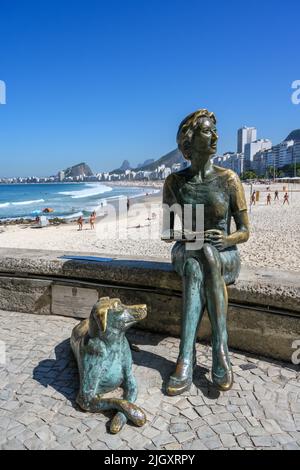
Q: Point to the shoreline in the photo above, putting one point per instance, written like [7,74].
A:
[55,220]
[136,184]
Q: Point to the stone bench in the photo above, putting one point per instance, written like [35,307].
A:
[264,305]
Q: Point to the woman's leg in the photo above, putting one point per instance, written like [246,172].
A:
[193,307]
[217,306]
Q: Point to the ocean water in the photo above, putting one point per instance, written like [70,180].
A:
[67,199]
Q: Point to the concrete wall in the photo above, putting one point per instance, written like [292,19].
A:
[264,312]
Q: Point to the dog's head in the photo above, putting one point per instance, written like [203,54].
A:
[111,315]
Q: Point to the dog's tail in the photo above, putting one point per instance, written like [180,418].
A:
[130,410]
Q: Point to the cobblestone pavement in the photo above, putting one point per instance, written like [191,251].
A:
[39,380]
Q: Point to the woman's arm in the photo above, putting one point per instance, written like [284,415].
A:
[242,229]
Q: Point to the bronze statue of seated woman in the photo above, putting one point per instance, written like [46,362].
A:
[206,270]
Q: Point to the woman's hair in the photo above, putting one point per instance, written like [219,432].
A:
[187,129]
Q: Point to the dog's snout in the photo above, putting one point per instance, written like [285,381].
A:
[139,312]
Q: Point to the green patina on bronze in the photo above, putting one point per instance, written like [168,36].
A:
[104,361]
[206,270]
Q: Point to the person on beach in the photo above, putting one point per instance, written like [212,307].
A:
[205,269]
[253,198]
[286,199]
[128,203]
[92,220]
[276,197]
[269,199]
[80,223]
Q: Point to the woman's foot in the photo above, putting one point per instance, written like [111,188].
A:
[222,375]
[182,378]
[224,382]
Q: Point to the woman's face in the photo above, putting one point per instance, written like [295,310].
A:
[205,137]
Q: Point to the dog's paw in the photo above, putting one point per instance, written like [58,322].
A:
[134,413]
[138,416]
[117,423]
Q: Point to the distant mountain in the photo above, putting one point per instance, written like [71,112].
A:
[294,135]
[150,165]
[175,156]
[81,169]
[125,166]
[146,162]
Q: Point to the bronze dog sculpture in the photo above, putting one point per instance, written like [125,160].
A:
[104,361]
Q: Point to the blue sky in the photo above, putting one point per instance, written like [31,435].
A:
[101,82]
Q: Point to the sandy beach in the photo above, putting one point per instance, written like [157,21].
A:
[274,241]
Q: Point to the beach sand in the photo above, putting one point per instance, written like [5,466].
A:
[274,241]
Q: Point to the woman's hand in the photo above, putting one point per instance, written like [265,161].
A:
[217,239]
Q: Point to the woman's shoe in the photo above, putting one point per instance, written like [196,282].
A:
[223,383]
[222,375]
[182,379]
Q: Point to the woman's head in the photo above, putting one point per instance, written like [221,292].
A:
[198,132]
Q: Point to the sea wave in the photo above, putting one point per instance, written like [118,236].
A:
[137,195]
[91,191]
[5,204]
[145,193]
[129,196]
[27,203]
[74,215]
[119,196]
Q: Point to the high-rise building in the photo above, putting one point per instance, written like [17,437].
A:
[254,147]
[286,153]
[296,152]
[233,161]
[245,135]
[61,175]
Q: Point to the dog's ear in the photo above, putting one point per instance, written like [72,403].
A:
[103,318]
[100,312]
[101,309]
